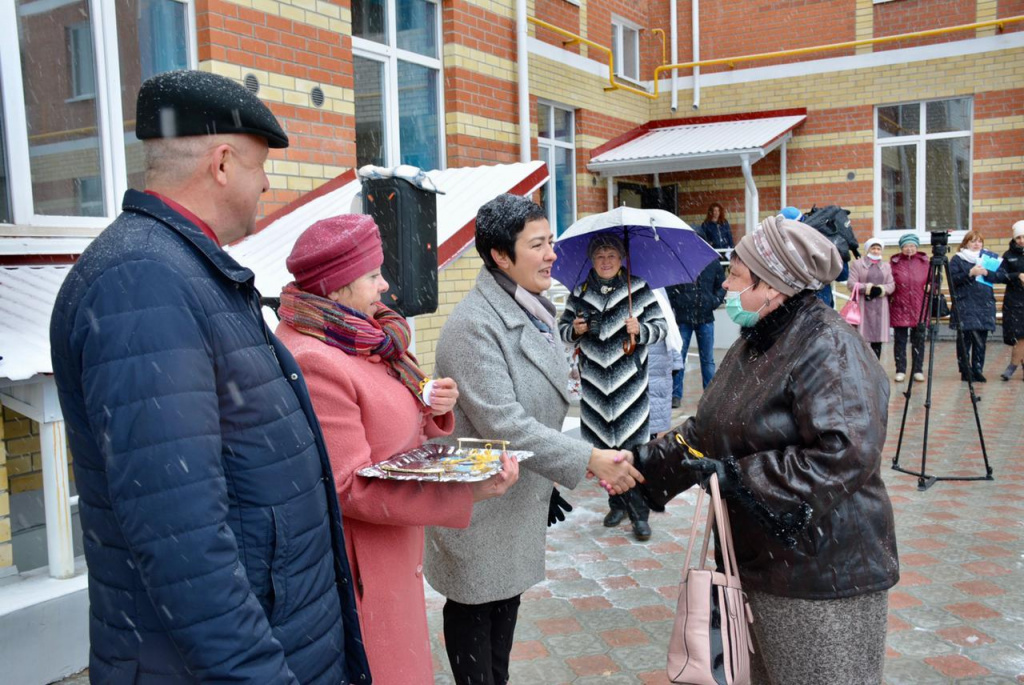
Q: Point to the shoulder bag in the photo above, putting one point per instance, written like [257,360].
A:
[851,311]
[710,642]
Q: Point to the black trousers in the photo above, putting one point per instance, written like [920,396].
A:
[877,349]
[970,351]
[899,349]
[478,639]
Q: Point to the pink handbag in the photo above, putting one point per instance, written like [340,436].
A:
[710,642]
[851,311]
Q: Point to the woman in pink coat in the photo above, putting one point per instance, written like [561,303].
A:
[373,402]
[876,285]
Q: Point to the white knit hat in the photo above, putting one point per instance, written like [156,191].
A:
[1018,229]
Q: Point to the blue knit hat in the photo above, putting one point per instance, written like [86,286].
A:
[909,238]
[792,213]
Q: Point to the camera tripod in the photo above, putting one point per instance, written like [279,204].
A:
[938,266]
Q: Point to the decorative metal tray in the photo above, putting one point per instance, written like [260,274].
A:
[472,460]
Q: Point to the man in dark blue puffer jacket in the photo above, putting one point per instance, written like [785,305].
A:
[211,524]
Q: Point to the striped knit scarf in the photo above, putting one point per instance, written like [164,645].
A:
[386,334]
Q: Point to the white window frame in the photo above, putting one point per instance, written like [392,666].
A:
[619,27]
[77,33]
[390,55]
[920,140]
[110,120]
[545,150]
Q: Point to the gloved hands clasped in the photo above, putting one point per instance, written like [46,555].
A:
[873,292]
[557,507]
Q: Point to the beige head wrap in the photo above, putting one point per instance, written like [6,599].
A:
[790,256]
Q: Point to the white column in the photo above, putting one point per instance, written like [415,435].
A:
[611,193]
[751,196]
[782,172]
[59,545]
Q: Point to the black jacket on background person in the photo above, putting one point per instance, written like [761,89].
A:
[974,303]
[695,303]
[1013,299]
[717,234]
[798,412]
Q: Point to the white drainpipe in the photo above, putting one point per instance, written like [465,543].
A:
[522,57]
[695,10]
[673,21]
[611,193]
[752,210]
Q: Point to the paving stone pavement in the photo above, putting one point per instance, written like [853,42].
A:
[957,616]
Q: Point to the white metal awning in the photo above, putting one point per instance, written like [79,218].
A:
[688,147]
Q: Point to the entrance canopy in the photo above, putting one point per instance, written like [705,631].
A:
[732,140]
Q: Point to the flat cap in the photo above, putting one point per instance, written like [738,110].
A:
[176,104]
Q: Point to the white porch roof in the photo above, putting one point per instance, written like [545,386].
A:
[27,293]
[687,147]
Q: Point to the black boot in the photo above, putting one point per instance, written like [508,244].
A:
[638,512]
[1008,374]
[614,518]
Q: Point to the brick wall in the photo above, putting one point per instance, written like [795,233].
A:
[290,46]
[24,456]
[453,283]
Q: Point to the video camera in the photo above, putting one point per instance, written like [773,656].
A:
[940,243]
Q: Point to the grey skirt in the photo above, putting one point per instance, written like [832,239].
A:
[812,642]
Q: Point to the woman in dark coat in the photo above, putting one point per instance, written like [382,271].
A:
[794,425]
[614,408]
[910,270]
[974,304]
[1013,300]
[715,229]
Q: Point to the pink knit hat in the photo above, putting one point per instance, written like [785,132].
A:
[333,252]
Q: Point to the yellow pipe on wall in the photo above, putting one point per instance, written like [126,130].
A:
[731,61]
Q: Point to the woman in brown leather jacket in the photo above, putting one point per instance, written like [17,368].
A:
[794,424]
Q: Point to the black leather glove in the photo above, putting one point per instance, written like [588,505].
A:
[875,291]
[707,466]
[557,507]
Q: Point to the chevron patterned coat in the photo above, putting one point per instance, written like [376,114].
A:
[614,409]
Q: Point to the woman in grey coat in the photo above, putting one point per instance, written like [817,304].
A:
[500,345]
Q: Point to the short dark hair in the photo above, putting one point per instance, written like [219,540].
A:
[499,223]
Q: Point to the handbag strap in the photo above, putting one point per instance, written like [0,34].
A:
[718,515]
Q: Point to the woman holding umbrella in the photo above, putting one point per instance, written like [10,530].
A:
[612,317]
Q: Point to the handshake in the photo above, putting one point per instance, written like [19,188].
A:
[873,291]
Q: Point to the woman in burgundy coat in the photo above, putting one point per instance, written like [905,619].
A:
[906,306]
[372,402]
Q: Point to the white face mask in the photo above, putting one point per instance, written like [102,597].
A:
[875,257]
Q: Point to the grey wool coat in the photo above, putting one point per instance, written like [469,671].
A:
[512,386]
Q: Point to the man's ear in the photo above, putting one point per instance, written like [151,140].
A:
[219,160]
[500,258]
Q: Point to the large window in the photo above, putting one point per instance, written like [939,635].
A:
[395,45]
[557,147]
[923,166]
[626,49]
[71,70]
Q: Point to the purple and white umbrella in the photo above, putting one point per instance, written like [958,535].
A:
[663,249]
